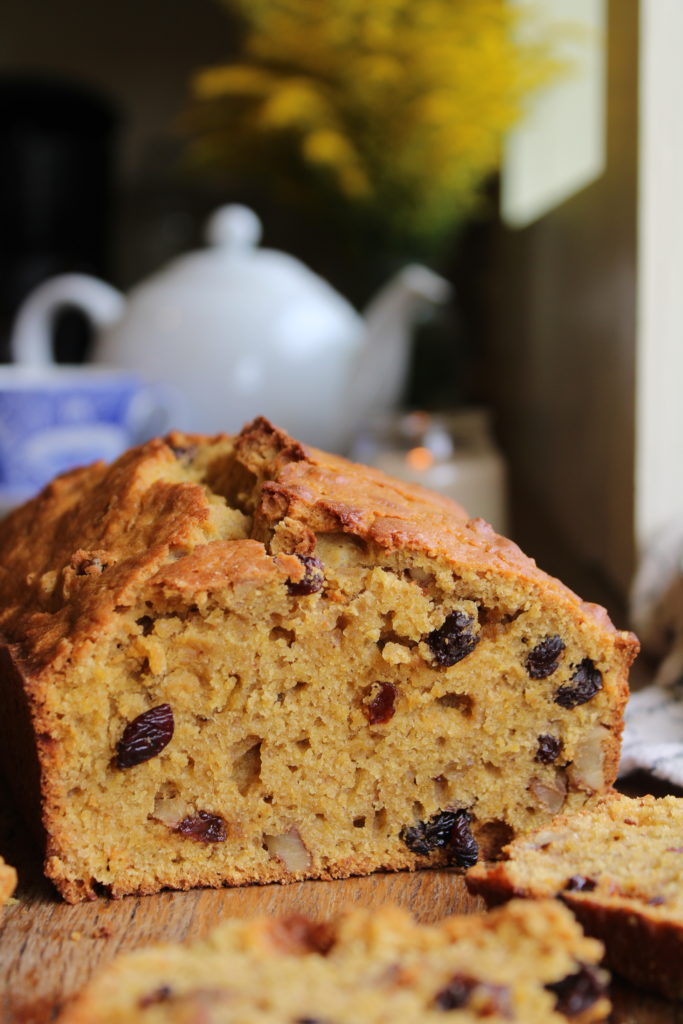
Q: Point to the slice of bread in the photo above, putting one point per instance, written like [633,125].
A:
[527,962]
[619,866]
[240,660]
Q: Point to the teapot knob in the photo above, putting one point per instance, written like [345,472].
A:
[233,227]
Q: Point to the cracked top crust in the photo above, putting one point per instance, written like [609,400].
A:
[194,512]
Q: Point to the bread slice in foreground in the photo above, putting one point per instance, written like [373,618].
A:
[241,660]
[619,866]
[526,962]
[8,881]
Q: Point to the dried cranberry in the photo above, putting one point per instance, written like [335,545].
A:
[204,828]
[145,737]
[491,999]
[577,992]
[452,641]
[445,828]
[312,580]
[544,658]
[381,707]
[577,883]
[586,682]
[549,748]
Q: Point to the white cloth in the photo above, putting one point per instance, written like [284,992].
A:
[653,734]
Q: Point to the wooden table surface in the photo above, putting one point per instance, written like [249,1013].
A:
[48,949]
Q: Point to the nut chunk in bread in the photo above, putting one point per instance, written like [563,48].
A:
[527,962]
[241,660]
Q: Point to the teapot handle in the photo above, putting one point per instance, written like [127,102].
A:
[31,342]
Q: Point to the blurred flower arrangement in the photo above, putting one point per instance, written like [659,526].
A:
[388,114]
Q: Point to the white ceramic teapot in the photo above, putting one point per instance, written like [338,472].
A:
[237,331]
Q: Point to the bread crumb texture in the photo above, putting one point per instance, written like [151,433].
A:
[526,963]
[240,660]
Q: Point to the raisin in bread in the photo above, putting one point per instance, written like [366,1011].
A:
[241,660]
[527,962]
[8,881]
[619,866]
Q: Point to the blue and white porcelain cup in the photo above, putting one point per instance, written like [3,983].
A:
[53,418]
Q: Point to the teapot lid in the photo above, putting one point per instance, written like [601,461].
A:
[233,227]
[234,264]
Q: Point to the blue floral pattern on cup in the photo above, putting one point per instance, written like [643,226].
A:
[54,419]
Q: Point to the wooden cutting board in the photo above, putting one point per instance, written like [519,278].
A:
[48,950]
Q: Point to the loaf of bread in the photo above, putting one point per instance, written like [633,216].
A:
[619,866]
[528,962]
[8,881]
[241,660]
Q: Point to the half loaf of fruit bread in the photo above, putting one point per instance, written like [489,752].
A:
[231,660]
[527,962]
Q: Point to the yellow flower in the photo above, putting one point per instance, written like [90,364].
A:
[394,106]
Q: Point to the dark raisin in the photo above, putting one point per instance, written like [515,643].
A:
[312,580]
[380,708]
[146,624]
[577,883]
[585,683]
[159,995]
[445,828]
[204,828]
[549,748]
[145,737]
[452,641]
[577,992]
[463,847]
[424,837]
[462,990]
[544,658]
[456,993]
[415,838]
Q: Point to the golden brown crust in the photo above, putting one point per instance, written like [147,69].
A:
[647,951]
[130,515]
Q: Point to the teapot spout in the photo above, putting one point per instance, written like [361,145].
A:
[383,362]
